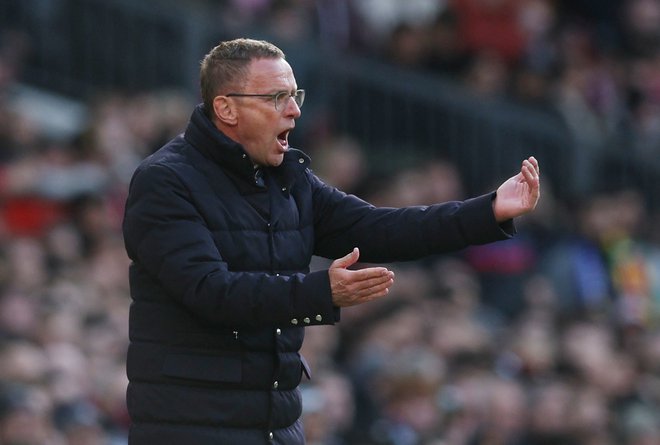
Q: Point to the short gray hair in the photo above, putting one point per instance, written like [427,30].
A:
[226,65]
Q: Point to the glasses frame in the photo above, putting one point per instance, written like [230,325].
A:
[298,96]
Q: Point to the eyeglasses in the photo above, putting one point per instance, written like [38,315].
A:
[280,98]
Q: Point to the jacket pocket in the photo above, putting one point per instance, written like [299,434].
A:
[210,368]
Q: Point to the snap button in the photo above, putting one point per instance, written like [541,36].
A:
[294,321]
[306,320]
[278,331]
[301,161]
[284,189]
[275,384]
[270,435]
[319,318]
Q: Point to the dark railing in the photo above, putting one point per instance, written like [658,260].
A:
[78,47]
[400,114]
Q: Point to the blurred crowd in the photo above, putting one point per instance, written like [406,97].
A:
[552,338]
[593,64]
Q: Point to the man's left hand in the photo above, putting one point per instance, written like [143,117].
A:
[520,193]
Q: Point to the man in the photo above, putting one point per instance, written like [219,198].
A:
[221,224]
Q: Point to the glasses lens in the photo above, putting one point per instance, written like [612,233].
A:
[299,97]
[282,98]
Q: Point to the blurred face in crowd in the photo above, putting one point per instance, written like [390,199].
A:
[255,122]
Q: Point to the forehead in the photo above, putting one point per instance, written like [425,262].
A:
[275,74]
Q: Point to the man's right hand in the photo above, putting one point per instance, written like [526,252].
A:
[352,287]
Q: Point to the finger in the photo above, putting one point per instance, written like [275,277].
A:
[533,169]
[347,260]
[530,173]
[369,272]
[375,292]
[361,281]
[535,163]
[375,282]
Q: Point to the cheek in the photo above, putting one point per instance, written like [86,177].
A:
[262,125]
[256,131]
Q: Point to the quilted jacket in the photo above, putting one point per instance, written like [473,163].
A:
[221,289]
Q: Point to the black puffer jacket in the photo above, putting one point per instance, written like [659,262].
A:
[222,291]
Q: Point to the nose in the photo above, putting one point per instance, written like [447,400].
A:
[292,109]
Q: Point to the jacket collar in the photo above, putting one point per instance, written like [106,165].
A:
[230,155]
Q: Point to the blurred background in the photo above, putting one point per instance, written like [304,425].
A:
[552,338]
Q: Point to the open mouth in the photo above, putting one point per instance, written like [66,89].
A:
[283,139]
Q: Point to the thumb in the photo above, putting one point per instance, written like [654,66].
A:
[346,261]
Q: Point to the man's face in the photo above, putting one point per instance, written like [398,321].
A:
[261,129]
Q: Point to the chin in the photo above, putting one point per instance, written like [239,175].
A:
[275,162]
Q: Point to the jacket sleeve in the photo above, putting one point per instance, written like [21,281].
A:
[400,234]
[167,237]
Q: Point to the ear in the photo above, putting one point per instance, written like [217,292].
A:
[224,110]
